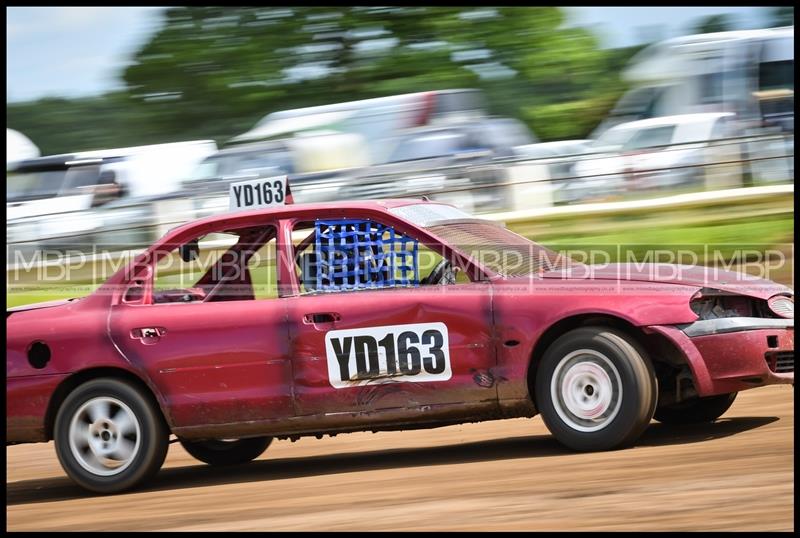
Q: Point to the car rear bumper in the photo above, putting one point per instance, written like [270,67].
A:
[733,354]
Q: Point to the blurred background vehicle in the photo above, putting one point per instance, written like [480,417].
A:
[375,119]
[56,196]
[652,154]
[450,160]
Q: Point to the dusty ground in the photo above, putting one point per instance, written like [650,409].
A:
[736,474]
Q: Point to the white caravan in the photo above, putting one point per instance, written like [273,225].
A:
[747,72]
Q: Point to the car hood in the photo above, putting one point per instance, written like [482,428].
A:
[37,306]
[686,275]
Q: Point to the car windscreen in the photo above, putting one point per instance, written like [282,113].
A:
[428,146]
[23,186]
[233,164]
[498,249]
[79,178]
[649,138]
[612,139]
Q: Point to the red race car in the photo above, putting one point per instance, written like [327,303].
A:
[321,319]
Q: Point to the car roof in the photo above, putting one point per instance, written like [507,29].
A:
[677,119]
[47,162]
[286,210]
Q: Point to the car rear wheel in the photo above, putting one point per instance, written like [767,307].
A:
[596,389]
[227,452]
[697,410]
[110,437]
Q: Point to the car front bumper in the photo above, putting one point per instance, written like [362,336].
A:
[733,354]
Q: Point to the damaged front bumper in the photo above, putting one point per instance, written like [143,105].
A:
[733,354]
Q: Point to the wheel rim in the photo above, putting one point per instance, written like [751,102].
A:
[104,436]
[586,390]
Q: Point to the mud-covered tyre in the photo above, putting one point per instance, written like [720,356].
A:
[109,436]
[697,410]
[596,389]
[223,452]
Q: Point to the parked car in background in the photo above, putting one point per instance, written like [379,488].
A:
[558,156]
[652,154]
[450,161]
[54,197]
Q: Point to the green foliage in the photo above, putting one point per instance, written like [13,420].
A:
[781,16]
[573,119]
[713,23]
[213,72]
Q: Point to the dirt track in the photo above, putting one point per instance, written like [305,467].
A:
[736,474]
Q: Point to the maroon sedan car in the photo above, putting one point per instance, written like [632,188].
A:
[329,318]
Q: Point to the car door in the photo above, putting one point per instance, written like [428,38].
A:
[215,362]
[407,352]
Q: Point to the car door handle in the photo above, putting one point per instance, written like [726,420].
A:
[321,317]
[148,335]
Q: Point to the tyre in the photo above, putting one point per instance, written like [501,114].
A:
[110,437]
[222,452]
[697,410]
[596,389]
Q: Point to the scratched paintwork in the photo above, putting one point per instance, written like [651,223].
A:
[244,367]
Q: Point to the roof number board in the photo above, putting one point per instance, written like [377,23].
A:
[258,193]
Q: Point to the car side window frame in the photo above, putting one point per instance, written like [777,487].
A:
[147,263]
[287,254]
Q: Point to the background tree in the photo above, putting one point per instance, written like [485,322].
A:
[714,23]
[213,72]
[781,16]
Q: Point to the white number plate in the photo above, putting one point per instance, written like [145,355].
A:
[395,353]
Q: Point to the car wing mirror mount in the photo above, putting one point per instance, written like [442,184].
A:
[190,251]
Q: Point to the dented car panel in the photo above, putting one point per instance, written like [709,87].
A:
[524,310]
[305,363]
[466,314]
[735,361]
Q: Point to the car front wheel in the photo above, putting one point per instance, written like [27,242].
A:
[596,389]
[110,437]
[227,452]
[697,410]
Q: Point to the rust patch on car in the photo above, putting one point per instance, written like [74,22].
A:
[486,378]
